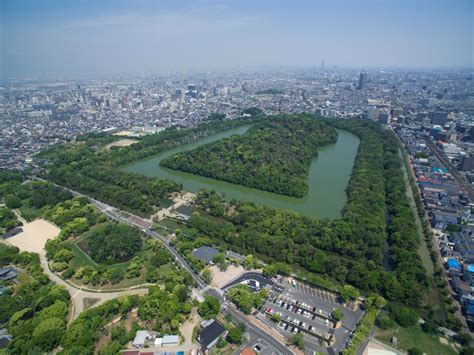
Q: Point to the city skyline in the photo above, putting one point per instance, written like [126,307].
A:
[78,39]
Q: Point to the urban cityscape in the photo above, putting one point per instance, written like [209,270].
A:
[288,208]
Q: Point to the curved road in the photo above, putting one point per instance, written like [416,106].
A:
[144,225]
[78,295]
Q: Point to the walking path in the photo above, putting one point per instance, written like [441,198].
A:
[33,239]
[78,296]
[423,251]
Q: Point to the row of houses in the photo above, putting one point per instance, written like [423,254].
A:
[449,212]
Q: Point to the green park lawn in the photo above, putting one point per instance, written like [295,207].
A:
[82,259]
[28,212]
[414,337]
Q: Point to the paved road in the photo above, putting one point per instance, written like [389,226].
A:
[263,280]
[136,221]
[440,259]
[78,296]
[238,317]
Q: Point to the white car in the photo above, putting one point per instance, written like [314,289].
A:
[257,348]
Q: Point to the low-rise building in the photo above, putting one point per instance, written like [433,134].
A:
[210,333]
[7,274]
[140,339]
[205,253]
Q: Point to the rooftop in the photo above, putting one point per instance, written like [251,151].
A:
[205,253]
[211,333]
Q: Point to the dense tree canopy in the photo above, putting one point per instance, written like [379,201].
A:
[35,310]
[114,243]
[92,170]
[7,220]
[273,155]
[209,307]
[361,248]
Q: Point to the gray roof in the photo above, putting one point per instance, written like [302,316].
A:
[185,210]
[170,339]
[205,253]
[140,337]
[8,274]
[209,334]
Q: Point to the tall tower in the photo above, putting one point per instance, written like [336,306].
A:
[322,64]
[362,81]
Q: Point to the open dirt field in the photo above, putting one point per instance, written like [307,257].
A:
[122,133]
[121,143]
[221,278]
[34,236]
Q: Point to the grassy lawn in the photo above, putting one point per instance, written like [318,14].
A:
[414,337]
[28,212]
[81,259]
[171,224]
[165,203]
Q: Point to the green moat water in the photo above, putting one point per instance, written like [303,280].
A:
[328,177]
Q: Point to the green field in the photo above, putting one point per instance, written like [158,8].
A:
[414,337]
[29,213]
[171,224]
[82,259]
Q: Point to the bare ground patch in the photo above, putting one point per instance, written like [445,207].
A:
[34,236]
[221,278]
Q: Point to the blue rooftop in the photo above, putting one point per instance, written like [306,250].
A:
[453,264]
[470,268]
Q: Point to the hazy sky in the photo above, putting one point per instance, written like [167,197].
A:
[81,37]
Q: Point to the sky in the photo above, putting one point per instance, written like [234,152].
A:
[83,38]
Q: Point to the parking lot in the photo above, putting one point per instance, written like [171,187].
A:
[325,295]
[299,317]
[307,310]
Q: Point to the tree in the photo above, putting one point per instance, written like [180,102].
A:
[348,292]
[235,335]
[249,262]
[12,201]
[277,268]
[221,343]
[415,351]
[114,243]
[206,275]
[243,298]
[404,316]
[48,333]
[384,321]
[116,275]
[209,308]
[111,348]
[297,340]
[430,327]
[219,259]
[337,314]
[159,258]
[276,318]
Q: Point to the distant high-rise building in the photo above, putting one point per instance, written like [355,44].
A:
[373,113]
[468,163]
[322,64]
[384,117]
[362,80]
[439,118]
